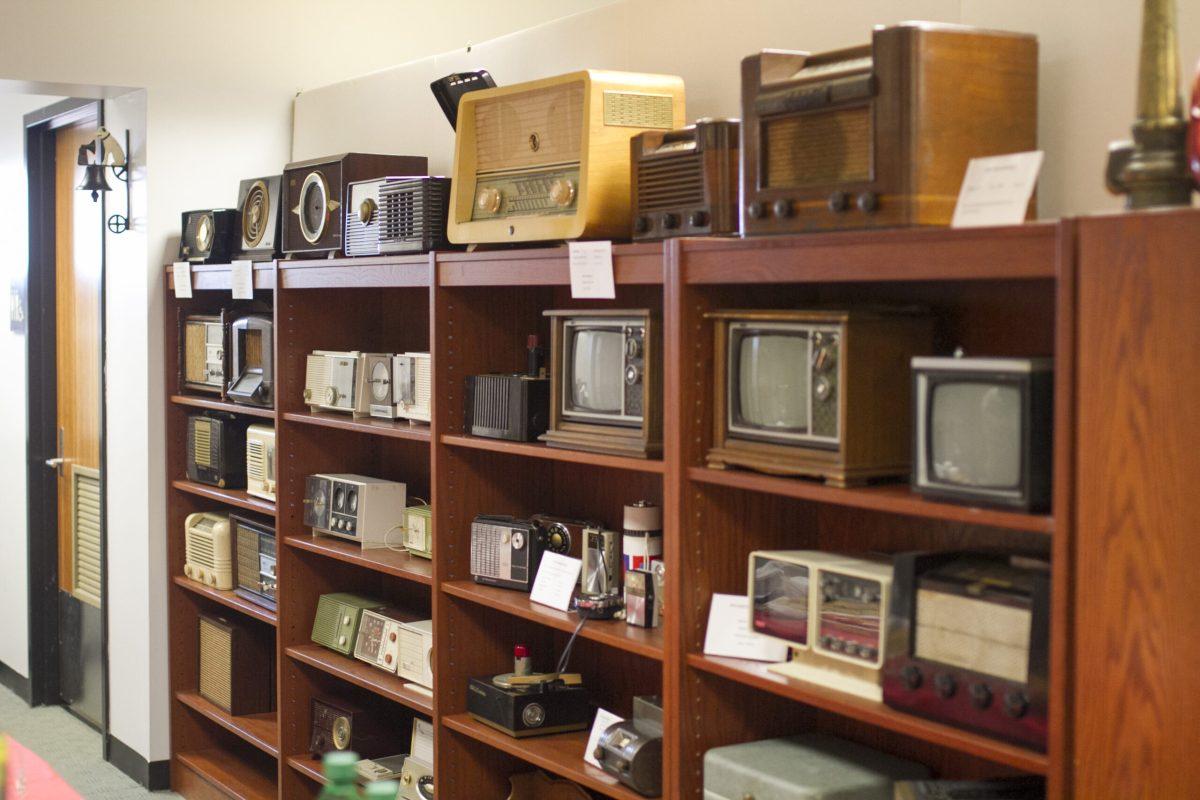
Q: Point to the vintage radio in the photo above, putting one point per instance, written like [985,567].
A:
[412,214]
[525,703]
[254,561]
[880,135]
[378,639]
[341,726]
[387,768]
[808,767]
[259,208]
[236,666]
[632,750]
[354,507]
[984,430]
[685,182]
[252,369]
[605,382]
[216,449]
[336,623]
[362,217]
[418,530]
[202,364]
[548,159]
[207,550]
[600,574]
[450,89]
[831,610]
[208,236]
[413,386]
[416,652]
[513,406]
[507,552]
[416,780]
[641,604]
[378,378]
[260,461]
[315,191]
[562,534]
[815,393]
[975,642]
[337,381]
[1023,787]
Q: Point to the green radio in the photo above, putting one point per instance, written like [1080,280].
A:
[336,623]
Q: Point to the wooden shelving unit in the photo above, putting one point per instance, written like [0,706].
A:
[473,311]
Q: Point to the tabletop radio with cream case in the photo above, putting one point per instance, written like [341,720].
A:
[379,381]
[316,190]
[416,652]
[208,236]
[685,182]
[880,135]
[412,214]
[254,561]
[363,217]
[260,461]
[207,550]
[355,507]
[335,625]
[418,530]
[236,666]
[202,363]
[549,159]
[819,393]
[259,209]
[378,640]
[216,449]
[416,780]
[831,610]
[252,366]
[338,381]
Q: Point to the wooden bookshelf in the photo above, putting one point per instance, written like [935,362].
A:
[473,312]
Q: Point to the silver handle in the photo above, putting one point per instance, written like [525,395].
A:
[55,463]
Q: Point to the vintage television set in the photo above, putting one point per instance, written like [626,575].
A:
[880,135]
[254,560]
[216,449]
[831,610]
[260,202]
[973,632]
[816,393]
[549,159]
[202,363]
[606,382]
[252,366]
[984,430]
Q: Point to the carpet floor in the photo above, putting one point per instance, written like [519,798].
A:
[71,748]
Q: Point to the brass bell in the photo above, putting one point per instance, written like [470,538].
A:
[94,181]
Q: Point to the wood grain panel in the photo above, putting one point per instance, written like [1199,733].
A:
[1137,603]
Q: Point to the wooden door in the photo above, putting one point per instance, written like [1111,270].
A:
[1136,599]
[78,241]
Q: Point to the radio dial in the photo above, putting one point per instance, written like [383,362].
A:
[562,192]
[331,395]
[632,374]
[518,540]
[489,199]
[981,695]
[366,211]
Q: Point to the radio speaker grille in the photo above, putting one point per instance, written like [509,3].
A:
[256,461]
[202,441]
[412,214]
[255,213]
[316,378]
[216,659]
[534,128]
[195,357]
[85,529]
[672,181]
[828,147]
[634,110]
[491,402]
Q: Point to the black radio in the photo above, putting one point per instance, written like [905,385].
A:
[506,551]
[216,449]
[254,561]
[513,406]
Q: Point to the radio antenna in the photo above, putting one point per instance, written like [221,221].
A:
[565,658]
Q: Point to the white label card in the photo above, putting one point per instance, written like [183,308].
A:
[592,270]
[556,580]
[241,277]
[183,279]
[996,190]
[601,723]
[729,632]
[422,741]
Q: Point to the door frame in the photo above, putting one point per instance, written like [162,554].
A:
[42,407]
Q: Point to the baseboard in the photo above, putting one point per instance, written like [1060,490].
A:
[19,684]
[152,775]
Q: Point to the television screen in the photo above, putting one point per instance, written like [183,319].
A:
[772,388]
[975,434]
[781,600]
[597,370]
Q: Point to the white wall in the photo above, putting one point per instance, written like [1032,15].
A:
[14,245]
[1088,71]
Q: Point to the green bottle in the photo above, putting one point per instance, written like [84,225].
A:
[382,790]
[340,773]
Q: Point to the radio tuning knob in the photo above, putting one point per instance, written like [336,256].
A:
[562,192]
[868,202]
[331,395]
[366,211]
[641,223]
[633,347]
[911,674]
[822,388]
[489,199]
[945,684]
[670,220]
[981,695]
[1016,704]
[782,208]
[756,210]
[839,202]
[698,219]
[632,374]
